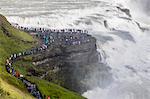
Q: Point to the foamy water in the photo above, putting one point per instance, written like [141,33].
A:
[124,46]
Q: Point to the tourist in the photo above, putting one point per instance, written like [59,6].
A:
[38,95]
[10,58]
[8,68]
[21,76]
[14,56]
[79,42]
[13,72]
[7,61]
[17,74]
[48,97]
[9,64]
[32,90]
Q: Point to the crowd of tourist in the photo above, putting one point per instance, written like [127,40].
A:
[49,37]
[56,36]
[31,87]
[31,29]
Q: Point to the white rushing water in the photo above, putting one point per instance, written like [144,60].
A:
[126,44]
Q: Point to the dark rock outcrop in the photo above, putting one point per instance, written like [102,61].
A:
[126,11]
[66,65]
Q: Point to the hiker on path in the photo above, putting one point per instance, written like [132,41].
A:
[17,74]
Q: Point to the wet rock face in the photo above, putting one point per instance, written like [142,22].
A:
[66,65]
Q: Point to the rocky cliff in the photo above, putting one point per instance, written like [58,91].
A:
[66,65]
[68,57]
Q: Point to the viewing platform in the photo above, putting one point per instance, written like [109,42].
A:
[58,36]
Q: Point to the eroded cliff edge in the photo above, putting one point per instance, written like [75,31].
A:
[66,65]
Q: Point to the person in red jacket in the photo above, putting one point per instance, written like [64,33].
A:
[48,97]
[17,74]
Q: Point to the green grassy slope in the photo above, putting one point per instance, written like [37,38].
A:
[47,88]
[53,90]
[14,41]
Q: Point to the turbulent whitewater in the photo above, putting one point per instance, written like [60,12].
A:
[122,30]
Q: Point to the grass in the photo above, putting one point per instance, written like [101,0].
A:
[9,91]
[22,66]
[46,88]
[14,41]
[53,90]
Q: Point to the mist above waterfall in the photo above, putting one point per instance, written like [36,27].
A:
[142,5]
[140,10]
